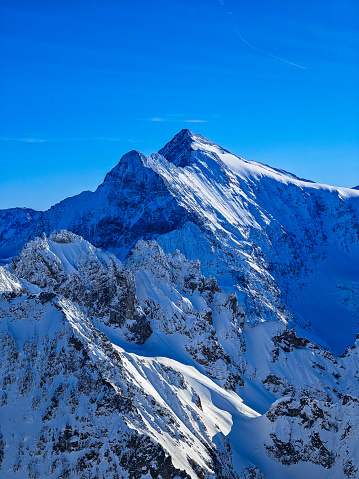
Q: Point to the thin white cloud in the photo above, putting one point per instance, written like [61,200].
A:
[195,121]
[174,118]
[158,119]
[50,140]
[24,140]
[107,139]
[240,36]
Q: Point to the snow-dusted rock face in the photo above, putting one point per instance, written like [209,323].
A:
[133,202]
[282,239]
[73,404]
[66,264]
[213,335]
[8,282]
[13,222]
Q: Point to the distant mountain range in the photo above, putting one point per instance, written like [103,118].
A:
[195,316]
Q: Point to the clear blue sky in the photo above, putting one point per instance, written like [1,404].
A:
[81,83]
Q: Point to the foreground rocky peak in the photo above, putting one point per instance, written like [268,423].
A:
[153,369]
[66,264]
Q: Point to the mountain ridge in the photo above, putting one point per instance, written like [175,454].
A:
[242,206]
[194,317]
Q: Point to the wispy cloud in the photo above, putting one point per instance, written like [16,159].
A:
[174,118]
[24,140]
[51,140]
[253,47]
[195,121]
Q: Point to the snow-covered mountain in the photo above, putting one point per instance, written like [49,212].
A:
[195,316]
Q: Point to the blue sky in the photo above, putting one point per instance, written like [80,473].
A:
[81,83]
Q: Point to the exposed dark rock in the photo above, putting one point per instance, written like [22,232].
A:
[350,469]
[46,296]
[233,381]
[2,447]
[289,453]
[252,472]
[276,385]
[288,340]
[142,456]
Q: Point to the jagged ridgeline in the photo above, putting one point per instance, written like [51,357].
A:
[194,317]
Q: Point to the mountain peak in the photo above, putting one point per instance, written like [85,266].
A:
[130,162]
[183,135]
[181,150]
[178,150]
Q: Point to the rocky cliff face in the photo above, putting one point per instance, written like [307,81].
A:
[13,222]
[132,203]
[214,335]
